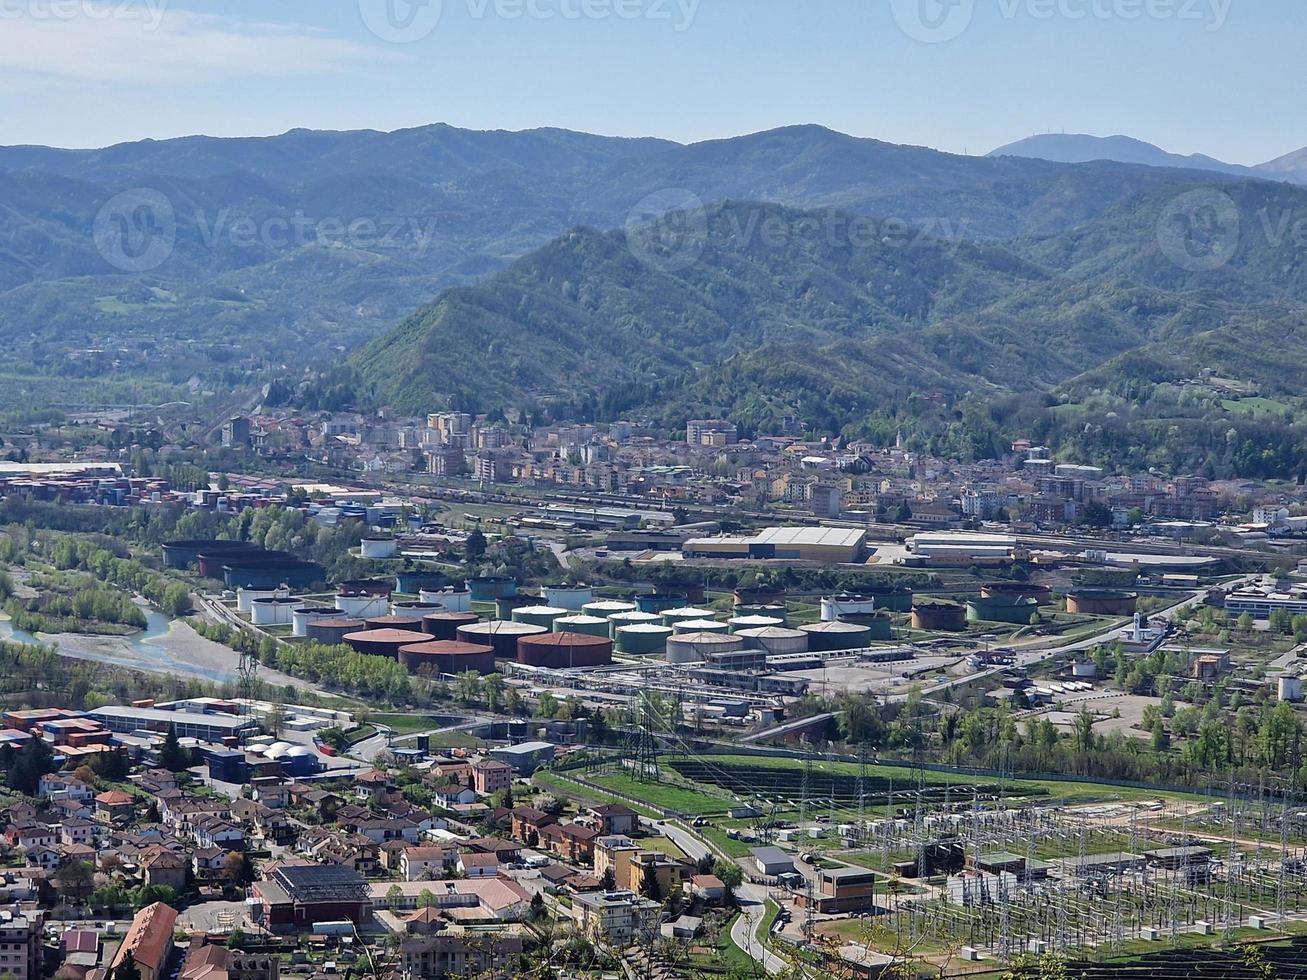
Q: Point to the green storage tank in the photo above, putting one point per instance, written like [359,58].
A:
[642,639]
[544,616]
[588,625]
[673,616]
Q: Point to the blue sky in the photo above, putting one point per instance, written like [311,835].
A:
[1214,76]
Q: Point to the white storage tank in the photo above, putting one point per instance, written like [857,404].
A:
[379,546]
[686,613]
[631,618]
[700,626]
[604,608]
[454,600]
[753,623]
[273,611]
[1290,688]
[775,640]
[689,648]
[245,597]
[301,616]
[835,606]
[362,605]
[570,597]
[1084,669]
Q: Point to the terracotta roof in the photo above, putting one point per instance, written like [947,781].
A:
[114,797]
[475,860]
[149,937]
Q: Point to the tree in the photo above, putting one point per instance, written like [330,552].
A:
[172,756]
[476,545]
[1096,514]
[731,875]
[491,689]
[238,870]
[127,969]
[75,878]
[176,600]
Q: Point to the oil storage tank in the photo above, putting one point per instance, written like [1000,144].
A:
[836,607]
[501,634]
[506,605]
[562,651]
[273,610]
[700,626]
[420,580]
[379,546]
[412,624]
[944,617]
[385,642]
[589,625]
[332,630]
[301,616]
[488,588]
[880,625]
[411,608]
[682,613]
[256,571]
[892,597]
[245,597]
[659,602]
[444,625]
[604,608]
[210,560]
[1016,590]
[738,623]
[359,604]
[770,610]
[570,597]
[1016,610]
[775,640]
[455,600]
[447,657]
[1101,602]
[544,616]
[823,637]
[688,648]
[634,618]
[184,554]
[642,639]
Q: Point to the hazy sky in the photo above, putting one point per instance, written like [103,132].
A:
[1216,76]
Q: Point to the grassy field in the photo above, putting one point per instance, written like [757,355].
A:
[666,795]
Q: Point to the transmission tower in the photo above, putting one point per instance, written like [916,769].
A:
[643,746]
[247,672]
[807,783]
[862,793]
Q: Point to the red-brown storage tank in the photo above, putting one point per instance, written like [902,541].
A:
[385,642]
[448,657]
[501,634]
[332,632]
[411,623]
[444,625]
[562,650]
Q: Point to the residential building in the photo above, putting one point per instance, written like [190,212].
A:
[618,918]
[149,941]
[20,942]
[489,776]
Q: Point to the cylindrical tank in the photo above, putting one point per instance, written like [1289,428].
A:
[562,651]
[700,626]
[372,586]
[332,630]
[836,606]
[771,611]
[419,581]
[759,597]
[946,617]
[1084,670]
[301,616]
[632,618]
[256,572]
[570,597]
[739,623]
[245,598]
[837,636]
[455,600]
[360,605]
[506,605]
[444,625]
[891,597]
[673,616]
[642,639]
[385,642]
[379,546]
[880,625]
[692,593]
[687,648]
[415,608]
[659,602]
[183,554]
[411,624]
[502,634]
[1016,610]
[273,610]
[210,561]
[776,640]
[539,615]
[604,608]
[589,625]
[1102,602]
[488,588]
[447,657]
[1016,590]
